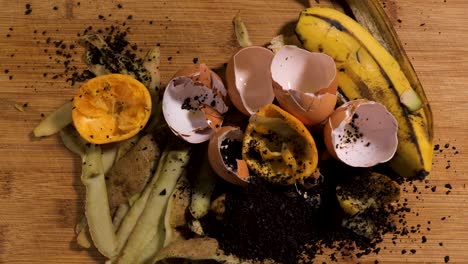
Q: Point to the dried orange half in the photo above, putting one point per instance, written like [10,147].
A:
[111,108]
[278,147]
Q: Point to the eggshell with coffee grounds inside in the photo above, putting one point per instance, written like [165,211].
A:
[305,83]
[193,104]
[361,133]
[248,79]
[225,155]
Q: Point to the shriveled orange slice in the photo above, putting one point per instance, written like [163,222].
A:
[278,147]
[111,108]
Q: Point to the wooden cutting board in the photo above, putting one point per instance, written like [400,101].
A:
[41,196]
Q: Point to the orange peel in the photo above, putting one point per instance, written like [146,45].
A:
[111,108]
[278,147]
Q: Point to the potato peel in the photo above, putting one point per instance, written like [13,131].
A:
[148,223]
[73,142]
[130,220]
[97,205]
[119,215]
[196,249]
[176,209]
[132,172]
[203,188]
[55,121]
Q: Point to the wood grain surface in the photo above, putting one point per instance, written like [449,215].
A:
[41,196]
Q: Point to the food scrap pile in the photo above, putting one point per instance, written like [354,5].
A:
[295,151]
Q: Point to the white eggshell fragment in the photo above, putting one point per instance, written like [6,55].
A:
[229,172]
[248,79]
[361,133]
[183,103]
[305,83]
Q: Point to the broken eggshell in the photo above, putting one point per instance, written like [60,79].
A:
[233,172]
[361,133]
[305,83]
[193,103]
[248,79]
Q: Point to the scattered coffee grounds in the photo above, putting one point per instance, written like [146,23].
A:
[28,9]
[63,52]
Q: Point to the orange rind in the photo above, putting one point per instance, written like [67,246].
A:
[111,108]
[278,147]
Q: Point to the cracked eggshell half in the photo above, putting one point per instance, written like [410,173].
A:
[226,138]
[361,133]
[248,79]
[305,83]
[193,103]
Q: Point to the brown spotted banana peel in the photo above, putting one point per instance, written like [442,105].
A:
[367,70]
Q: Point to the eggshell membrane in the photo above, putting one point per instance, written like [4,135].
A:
[215,157]
[377,141]
[190,125]
[248,79]
[305,83]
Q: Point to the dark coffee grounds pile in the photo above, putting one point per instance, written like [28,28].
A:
[263,223]
[290,225]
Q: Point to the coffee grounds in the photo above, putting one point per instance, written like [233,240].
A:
[291,225]
[116,39]
[263,223]
[231,151]
[62,52]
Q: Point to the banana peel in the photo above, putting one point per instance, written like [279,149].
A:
[371,15]
[367,70]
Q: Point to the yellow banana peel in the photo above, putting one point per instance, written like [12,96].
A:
[367,70]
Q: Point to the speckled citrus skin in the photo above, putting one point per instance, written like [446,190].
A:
[111,108]
[278,147]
